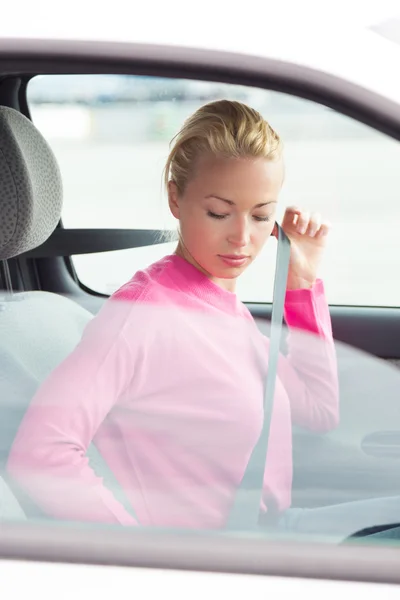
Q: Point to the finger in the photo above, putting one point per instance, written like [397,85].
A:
[274,231]
[302,222]
[323,230]
[314,224]
[291,216]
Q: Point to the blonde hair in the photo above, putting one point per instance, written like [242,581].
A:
[223,128]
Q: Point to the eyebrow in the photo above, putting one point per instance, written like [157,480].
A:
[231,203]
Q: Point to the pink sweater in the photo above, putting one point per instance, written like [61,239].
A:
[168,382]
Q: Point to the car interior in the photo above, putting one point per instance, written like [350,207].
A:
[45,304]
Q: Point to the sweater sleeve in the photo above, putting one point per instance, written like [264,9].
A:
[48,458]
[309,372]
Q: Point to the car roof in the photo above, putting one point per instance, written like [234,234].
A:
[343,49]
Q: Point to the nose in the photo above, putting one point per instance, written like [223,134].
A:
[239,234]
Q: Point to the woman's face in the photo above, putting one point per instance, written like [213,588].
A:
[226,214]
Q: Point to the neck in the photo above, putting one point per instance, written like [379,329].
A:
[226,284]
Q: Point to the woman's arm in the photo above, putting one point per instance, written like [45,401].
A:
[309,372]
[48,458]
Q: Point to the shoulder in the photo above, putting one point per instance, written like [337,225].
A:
[146,285]
[134,305]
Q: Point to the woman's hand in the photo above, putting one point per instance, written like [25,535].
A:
[308,235]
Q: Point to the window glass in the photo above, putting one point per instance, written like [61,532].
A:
[165,405]
[111,136]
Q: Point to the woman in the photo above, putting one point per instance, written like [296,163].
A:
[168,377]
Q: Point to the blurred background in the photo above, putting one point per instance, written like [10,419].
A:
[111,136]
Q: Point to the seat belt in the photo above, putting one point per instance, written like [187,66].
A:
[245,511]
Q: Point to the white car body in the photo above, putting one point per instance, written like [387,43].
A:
[65,581]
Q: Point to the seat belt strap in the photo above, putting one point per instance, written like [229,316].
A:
[244,514]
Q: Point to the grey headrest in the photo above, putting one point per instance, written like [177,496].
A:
[30,185]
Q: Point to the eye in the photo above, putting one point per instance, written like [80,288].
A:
[266,218]
[215,215]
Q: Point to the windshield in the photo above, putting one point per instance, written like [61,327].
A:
[389,29]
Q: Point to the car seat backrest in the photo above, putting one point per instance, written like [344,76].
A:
[37,329]
[30,208]
[10,508]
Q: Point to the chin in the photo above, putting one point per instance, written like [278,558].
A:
[228,272]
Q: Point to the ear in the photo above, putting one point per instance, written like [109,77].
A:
[173,199]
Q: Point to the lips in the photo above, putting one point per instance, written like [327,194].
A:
[234,260]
